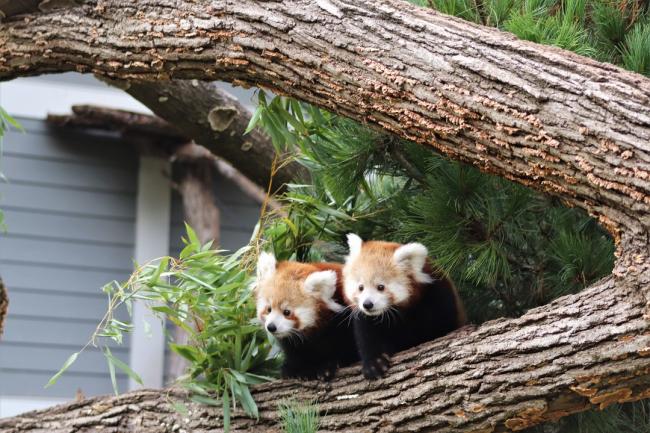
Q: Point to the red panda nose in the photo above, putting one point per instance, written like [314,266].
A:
[367,304]
[271,327]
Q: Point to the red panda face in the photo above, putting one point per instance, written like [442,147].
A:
[291,296]
[380,275]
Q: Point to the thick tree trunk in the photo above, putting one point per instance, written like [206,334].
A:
[541,116]
[476,93]
[4,306]
[579,352]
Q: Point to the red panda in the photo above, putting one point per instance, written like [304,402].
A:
[399,298]
[301,304]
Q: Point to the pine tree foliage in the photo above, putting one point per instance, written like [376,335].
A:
[614,31]
[507,247]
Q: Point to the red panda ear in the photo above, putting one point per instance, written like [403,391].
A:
[265,266]
[412,257]
[354,243]
[323,285]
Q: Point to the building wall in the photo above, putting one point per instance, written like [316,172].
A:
[70,208]
[69,205]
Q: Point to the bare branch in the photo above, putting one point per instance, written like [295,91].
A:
[4,306]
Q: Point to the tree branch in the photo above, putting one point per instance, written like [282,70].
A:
[4,306]
[161,138]
[538,115]
[582,351]
[475,93]
[217,121]
[199,110]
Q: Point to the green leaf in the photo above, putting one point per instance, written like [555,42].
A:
[261,98]
[196,280]
[196,389]
[65,366]
[125,368]
[226,411]
[188,352]
[13,122]
[237,352]
[193,238]
[254,379]
[159,270]
[247,402]
[296,109]
[181,408]
[254,119]
[111,370]
[205,400]
[291,225]
[238,376]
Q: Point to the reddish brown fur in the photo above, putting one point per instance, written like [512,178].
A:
[375,255]
[287,288]
[379,255]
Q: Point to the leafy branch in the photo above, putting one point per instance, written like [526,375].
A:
[208,295]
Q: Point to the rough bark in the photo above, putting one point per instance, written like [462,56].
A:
[193,107]
[540,116]
[216,121]
[4,306]
[123,121]
[473,92]
[579,352]
[195,183]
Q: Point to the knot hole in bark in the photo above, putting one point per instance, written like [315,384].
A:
[220,118]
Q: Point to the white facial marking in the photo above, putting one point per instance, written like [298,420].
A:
[306,317]
[412,258]
[350,287]
[399,290]
[380,302]
[283,325]
[261,305]
[266,264]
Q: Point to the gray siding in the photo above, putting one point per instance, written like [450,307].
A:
[70,214]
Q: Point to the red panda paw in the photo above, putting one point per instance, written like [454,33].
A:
[376,368]
[327,374]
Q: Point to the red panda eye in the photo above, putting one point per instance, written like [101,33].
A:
[286,313]
[268,310]
[361,287]
[381,287]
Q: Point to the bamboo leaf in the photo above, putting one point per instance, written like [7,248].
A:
[65,366]
[125,368]
[226,411]
[111,370]
[254,119]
